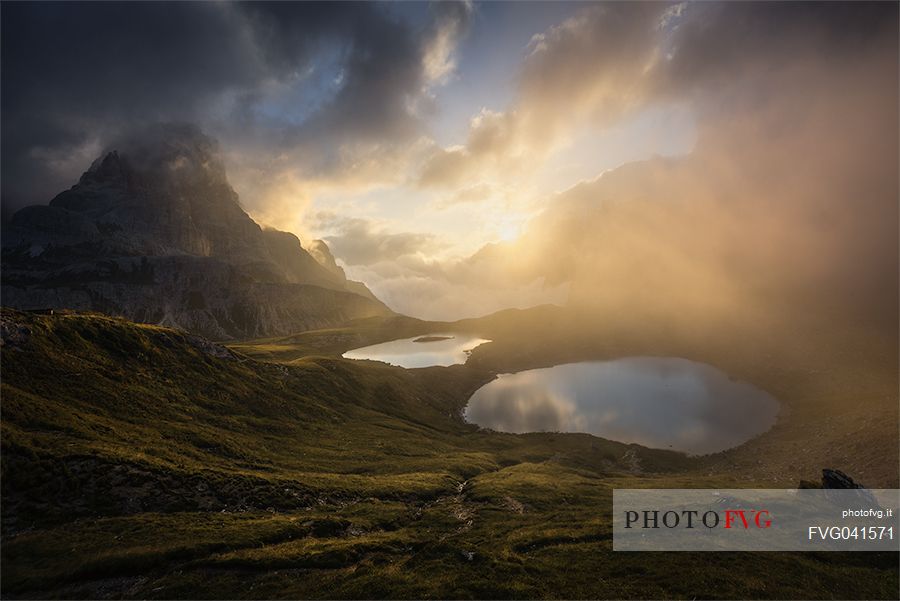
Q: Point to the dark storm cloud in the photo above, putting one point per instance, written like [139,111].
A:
[73,71]
[379,62]
[75,74]
[720,41]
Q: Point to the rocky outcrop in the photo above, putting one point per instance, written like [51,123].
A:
[12,333]
[838,479]
[154,232]
[321,253]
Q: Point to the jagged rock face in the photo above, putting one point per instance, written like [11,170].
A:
[153,231]
[321,253]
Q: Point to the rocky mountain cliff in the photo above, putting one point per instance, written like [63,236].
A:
[154,232]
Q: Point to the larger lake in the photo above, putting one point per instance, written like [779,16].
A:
[658,402]
[420,351]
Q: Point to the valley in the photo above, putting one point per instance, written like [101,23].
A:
[175,467]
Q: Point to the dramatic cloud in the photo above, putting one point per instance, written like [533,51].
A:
[594,66]
[450,24]
[491,145]
[329,117]
[472,194]
[359,242]
[786,208]
[313,88]
[398,269]
[612,60]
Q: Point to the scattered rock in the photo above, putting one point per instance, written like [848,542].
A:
[211,348]
[513,505]
[12,333]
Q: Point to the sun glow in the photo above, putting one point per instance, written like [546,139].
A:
[510,230]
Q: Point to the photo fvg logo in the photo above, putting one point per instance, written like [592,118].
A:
[755,519]
[731,518]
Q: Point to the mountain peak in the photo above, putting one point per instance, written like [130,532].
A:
[163,153]
[107,167]
[154,231]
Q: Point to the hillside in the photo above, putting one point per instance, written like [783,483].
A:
[169,466]
[154,232]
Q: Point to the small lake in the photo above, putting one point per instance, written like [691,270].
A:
[658,402]
[420,351]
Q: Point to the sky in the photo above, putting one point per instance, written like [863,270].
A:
[435,146]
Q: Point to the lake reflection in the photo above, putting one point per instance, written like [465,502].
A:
[665,403]
[420,351]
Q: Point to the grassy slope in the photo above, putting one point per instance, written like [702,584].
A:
[136,464]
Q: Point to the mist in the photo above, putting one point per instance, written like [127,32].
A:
[784,212]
